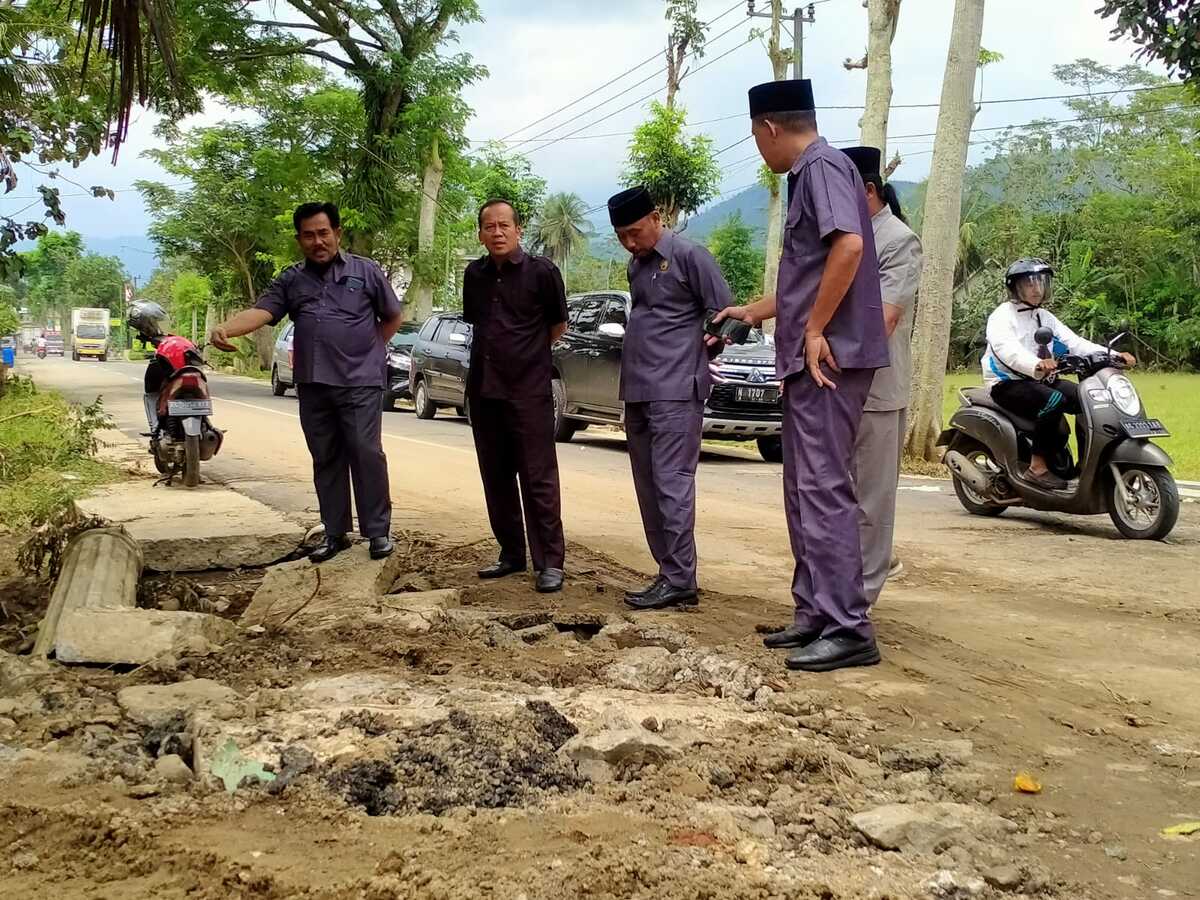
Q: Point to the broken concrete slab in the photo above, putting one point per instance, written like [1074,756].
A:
[920,827]
[619,746]
[216,529]
[156,704]
[100,570]
[303,592]
[133,636]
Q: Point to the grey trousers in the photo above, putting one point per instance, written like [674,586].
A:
[876,477]
[664,451]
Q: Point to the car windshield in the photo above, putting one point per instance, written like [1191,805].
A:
[92,332]
[403,340]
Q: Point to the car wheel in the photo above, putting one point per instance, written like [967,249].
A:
[424,406]
[278,388]
[771,448]
[564,428]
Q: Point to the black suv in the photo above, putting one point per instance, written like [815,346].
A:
[587,371]
[440,357]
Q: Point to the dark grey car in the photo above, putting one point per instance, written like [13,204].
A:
[744,406]
[440,358]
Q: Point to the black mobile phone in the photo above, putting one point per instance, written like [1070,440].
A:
[733,330]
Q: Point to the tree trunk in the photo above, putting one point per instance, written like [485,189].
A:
[264,338]
[418,300]
[943,210]
[774,242]
[779,63]
[882,17]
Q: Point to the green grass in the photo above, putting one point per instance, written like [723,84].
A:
[46,448]
[1174,398]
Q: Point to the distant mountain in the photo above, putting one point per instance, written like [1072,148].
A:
[752,204]
[137,253]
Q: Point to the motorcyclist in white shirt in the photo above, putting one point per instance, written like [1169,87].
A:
[1015,374]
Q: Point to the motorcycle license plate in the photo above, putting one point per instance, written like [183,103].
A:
[1146,428]
[190,408]
[756,394]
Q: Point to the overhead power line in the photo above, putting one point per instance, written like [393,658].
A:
[609,83]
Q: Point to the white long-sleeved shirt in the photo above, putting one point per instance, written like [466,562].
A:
[1012,351]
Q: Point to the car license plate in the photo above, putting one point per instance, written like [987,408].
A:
[190,408]
[1146,428]
[756,394]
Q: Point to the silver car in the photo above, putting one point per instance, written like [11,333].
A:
[282,375]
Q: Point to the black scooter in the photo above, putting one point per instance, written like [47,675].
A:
[1120,471]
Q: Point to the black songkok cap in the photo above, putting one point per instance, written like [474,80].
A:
[628,206]
[781,96]
[867,159]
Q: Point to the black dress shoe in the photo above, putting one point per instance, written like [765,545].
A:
[633,595]
[664,595]
[827,654]
[381,547]
[500,568]
[549,581]
[790,637]
[333,545]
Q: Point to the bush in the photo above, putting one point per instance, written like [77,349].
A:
[46,449]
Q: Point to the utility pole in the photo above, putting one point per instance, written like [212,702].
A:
[801,16]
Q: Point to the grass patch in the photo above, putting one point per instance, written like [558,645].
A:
[46,453]
[1174,398]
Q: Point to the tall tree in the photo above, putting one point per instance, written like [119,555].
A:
[940,235]
[681,173]
[95,281]
[732,246]
[1168,30]
[561,228]
[779,58]
[685,38]
[882,18]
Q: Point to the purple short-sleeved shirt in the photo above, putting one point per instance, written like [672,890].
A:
[663,356]
[826,195]
[337,314]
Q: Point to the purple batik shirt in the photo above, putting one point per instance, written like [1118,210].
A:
[663,356]
[337,314]
[826,196]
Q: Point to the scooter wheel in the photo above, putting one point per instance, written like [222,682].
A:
[971,501]
[1153,507]
[191,460]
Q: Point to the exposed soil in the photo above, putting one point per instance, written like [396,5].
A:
[534,747]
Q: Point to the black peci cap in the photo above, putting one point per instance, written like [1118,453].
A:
[781,96]
[628,206]
[866,159]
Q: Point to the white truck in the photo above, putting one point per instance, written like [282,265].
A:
[89,333]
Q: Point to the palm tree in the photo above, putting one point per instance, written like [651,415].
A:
[562,227]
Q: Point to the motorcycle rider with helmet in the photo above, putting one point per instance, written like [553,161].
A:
[1017,376]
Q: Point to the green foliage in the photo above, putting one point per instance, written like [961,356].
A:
[10,322]
[1168,30]
[191,294]
[561,229]
[681,173]
[94,281]
[502,176]
[1110,201]
[732,245]
[46,448]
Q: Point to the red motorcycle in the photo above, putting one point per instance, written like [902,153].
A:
[177,401]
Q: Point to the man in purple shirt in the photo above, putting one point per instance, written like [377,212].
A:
[665,382]
[345,313]
[829,340]
[516,305]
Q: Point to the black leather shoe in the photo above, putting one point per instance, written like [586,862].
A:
[500,568]
[633,595]
[1047,481]
[333,545]
[790,637]
[664,595]
[381,547]
[827,654]
[549,581]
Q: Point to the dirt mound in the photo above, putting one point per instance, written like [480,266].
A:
[467,760]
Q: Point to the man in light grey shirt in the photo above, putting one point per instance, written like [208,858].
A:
[880,438]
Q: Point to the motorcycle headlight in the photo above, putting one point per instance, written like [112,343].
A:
[1124,395]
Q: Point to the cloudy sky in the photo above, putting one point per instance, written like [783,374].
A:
[543,56]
